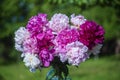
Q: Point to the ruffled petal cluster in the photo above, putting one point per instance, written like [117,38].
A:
[76,53]
[91,34]
[64,37]
[20,35]
[31,61]
[58,22]
[37,23]
[46,57]
[30,46]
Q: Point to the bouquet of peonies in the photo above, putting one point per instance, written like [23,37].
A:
[58,43]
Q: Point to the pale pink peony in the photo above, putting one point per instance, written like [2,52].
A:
[30,45]
[76,52]
[58,22]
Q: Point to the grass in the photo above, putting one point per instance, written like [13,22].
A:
[107,68]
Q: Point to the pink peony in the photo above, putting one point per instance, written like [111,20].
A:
[64,37]
[30,45]
[40,35]
[46,57]
[36,23]
[91,34]
[45,39]
[67,36]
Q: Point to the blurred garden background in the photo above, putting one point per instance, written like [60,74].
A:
[15,13]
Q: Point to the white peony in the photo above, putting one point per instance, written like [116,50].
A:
[20,35]
[31,61]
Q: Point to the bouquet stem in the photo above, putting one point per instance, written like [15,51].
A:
[59,71]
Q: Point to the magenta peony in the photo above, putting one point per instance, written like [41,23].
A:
[37,23]
[46,57]
[91,34]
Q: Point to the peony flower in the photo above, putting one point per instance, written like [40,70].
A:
[31,61]
[41,40]
[45,39]
[36,23]
[46,57]
[76,53]
[77,20]
[31,45]
[41,36]
[58,22]
[91,34]
[20,35]
[64,37]
[67,36]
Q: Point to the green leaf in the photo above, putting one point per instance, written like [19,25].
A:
[50,74]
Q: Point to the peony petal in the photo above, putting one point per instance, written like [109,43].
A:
[46,63]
